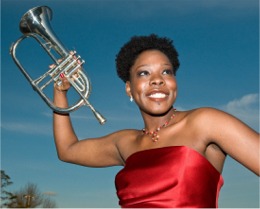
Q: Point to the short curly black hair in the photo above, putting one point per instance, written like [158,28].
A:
[129,52]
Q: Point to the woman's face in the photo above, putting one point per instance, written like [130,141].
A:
[152,82]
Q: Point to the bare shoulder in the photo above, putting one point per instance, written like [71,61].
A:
[214,121]
[202,123]
[125,141]
[215,126]
[206,115]
[204,111]
[231,135]
[125,137]
[125,133]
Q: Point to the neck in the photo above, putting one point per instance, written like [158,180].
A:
[152,121]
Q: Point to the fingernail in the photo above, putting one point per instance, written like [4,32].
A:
[62,75]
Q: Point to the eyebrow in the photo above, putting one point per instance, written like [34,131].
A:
[145,65]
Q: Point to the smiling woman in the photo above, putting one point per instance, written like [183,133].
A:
[217,42]
[183,152]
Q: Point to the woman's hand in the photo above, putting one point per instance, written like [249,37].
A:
[62,84]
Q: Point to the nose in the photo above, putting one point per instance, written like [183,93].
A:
[157,81]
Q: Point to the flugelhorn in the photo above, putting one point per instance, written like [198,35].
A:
[36,24]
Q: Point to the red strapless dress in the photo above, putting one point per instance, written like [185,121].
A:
[168,177]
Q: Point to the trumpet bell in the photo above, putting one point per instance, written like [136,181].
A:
[37,21]
[31,20]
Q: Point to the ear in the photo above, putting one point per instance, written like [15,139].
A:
[128,88]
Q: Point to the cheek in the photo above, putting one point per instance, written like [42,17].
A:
[172,84]
[138,89]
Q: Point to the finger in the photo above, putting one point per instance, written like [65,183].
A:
[63,79]
[52,66]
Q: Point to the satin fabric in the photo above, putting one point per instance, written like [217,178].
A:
[168,177]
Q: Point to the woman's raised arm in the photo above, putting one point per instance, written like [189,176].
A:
[98,152]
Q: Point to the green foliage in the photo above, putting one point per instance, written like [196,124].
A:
[7,198]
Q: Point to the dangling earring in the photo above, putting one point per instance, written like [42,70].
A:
[131,99]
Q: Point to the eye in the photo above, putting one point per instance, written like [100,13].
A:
[143,73]
[167,72]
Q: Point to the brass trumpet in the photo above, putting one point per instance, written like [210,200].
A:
[36,24]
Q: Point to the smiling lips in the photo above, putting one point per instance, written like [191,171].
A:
[157,95]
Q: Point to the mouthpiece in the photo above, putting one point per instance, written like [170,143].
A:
[100,118]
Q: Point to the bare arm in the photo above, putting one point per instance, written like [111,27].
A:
[233,136]
[98,152]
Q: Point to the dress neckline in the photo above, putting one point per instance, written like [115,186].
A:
[172,147]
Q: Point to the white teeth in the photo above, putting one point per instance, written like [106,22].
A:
[157,95]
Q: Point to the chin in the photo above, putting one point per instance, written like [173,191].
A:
[158,111]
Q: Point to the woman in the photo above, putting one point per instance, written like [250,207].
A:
[177,159]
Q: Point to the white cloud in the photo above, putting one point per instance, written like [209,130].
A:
[244,102]
[246,109]
[27,128]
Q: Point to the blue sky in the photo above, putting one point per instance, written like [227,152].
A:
[218,43]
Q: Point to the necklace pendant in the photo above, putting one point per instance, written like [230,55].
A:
[155,138]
